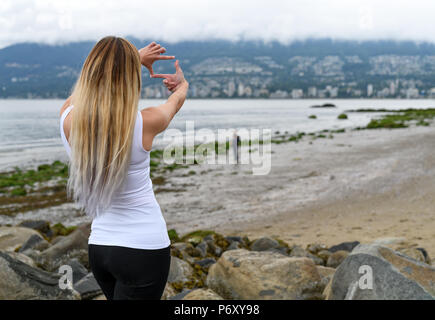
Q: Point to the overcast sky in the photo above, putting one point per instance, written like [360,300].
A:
[54,21]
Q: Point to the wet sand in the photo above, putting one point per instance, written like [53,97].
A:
[360,185]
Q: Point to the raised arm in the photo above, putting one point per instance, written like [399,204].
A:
[157,119]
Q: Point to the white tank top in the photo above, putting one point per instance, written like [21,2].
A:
[134,219]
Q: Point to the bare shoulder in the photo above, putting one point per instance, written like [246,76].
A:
[65,105]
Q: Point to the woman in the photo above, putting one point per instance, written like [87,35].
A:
[108,141]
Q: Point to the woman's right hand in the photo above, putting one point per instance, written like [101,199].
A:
[172,81]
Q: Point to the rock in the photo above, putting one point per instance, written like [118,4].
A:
[336,258]
[19,281]
[426,255]
[264,243]
[326,275]
[263,275]
[88,287]
[374,272]
[324,255]
[79,271]
[218,251]
[100,297]
[202,247]
[346,246]
[35,242]
[234,245]
[318,261]
[208,238]
[77,240]
[202,294]
[179,271]
[192,251]
[168,292]
[231,239]
[22,257]
[182,246]
[413,253]
[181,295]
[205,263]
[39,225]
[12,238]
[315,248]
[298,251]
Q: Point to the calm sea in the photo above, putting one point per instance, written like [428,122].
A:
[29,129]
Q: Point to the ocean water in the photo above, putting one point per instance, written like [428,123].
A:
[29,129]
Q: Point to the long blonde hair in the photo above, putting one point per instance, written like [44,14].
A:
[105,99]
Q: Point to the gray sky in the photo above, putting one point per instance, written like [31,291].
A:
[54,21]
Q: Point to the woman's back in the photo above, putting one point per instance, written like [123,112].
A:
[134,218]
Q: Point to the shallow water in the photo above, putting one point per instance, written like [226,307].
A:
[29,129]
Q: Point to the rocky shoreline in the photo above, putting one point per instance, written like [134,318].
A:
[206,265]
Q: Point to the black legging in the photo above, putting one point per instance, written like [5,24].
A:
[130,274]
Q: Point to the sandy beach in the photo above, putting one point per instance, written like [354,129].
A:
[360,185]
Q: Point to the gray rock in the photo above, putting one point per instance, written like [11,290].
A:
[298,251]
[202,247]
[88,287]
[264,244]
[230,239]
[39,225]
[19,281]
[234,245]
[180,295]
[205,263]
[79,271]
[179,271]
[394,276]
[318,261]
[346,246]
[35,242]
[77,240]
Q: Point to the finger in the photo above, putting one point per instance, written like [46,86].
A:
[159,50]
[152,44]
[160,57]
[151,71]
[177,66]
[161,76]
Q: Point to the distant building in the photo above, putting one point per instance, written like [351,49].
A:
[312,92]
[431,93]
[412,93]
[241,90]
[297,94]
[279,94]
[369,90]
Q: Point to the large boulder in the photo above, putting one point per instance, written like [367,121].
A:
[12,238]
[375,272]
[344,246]
[77,241]
[19,281]
[179,270]
[88,287]
[264,244]
[264,275]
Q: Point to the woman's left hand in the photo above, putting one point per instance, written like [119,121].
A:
[151,53]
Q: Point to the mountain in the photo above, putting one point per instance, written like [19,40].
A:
[222,69]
